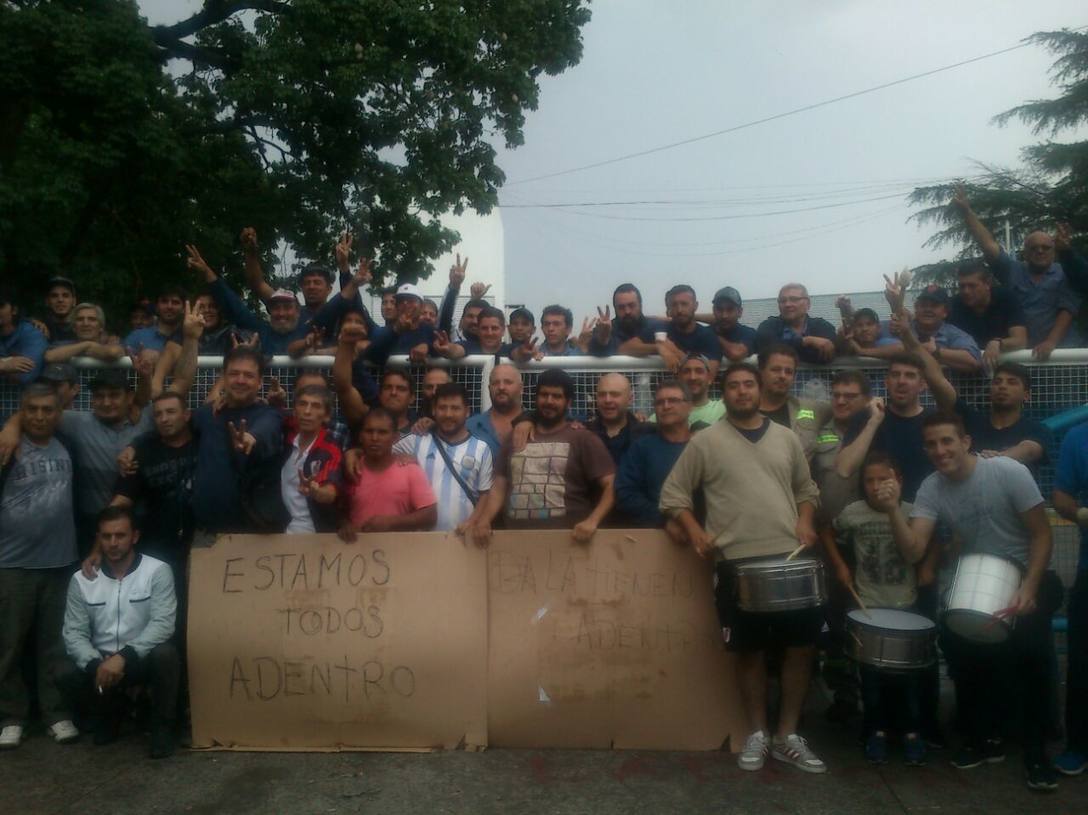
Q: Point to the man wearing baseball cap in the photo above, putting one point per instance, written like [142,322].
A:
[406,335]
[60,303]
[952,347]
[64,378]
[283,326]
[738,341]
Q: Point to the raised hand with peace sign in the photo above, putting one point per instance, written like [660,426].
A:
[343,252]
[192,323]
[241,440]
[457,272]
[602,331]
[196,263]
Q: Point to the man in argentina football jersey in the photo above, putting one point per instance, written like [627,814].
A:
[470,456]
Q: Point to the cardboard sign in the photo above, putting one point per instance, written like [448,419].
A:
[415,640]
[615,644]
[302,642]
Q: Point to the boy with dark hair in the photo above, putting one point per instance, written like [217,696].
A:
[885,579]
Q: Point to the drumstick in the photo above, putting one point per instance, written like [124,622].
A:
[861,603]
[794,553]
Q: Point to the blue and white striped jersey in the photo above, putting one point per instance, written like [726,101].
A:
[472,458]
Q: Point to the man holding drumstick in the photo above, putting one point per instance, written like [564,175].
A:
[995,508]
[761,501]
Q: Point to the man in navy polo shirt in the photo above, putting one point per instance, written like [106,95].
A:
[630,332]
[813,338]
[685,335]
[737,341]
[992,316]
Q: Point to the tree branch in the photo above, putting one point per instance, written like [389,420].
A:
[214,11]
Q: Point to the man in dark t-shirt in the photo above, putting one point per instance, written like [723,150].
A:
[161,483]
[991,315]
[561,479]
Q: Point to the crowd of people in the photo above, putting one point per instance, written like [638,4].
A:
[98,509]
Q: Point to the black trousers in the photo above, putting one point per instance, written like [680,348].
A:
[159,671]
[1076,701]
[982,674]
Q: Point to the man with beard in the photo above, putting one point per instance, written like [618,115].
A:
[991,315]
[1038,282]
[615,425]
[812,338]
[738,341]
[169,306]
[457,464]
[496,425]
[552,481]
[760,502]
[238,445]
[283,326]
[650,459]
[685,335]
[630,333]
[805,417]
[694,373]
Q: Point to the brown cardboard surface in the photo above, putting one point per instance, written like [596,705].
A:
[302,642]
[615,644]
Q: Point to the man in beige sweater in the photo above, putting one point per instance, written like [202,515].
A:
[761,501]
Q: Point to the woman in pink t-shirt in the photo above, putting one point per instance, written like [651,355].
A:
[390,494]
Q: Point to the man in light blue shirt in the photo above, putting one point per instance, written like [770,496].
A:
[457,464]
[495,425]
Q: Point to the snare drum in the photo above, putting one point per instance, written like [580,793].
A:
[890,639]
[983,586]
[778,585]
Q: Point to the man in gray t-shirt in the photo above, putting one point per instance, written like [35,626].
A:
[95,439]
[37,553]
[994,507]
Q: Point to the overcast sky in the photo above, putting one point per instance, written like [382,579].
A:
[656,72]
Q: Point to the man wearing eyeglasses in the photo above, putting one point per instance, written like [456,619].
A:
[812,337]
[1038,282]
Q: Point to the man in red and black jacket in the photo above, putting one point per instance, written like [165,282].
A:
[310,478]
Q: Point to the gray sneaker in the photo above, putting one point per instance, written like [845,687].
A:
[795,750]
[754,753]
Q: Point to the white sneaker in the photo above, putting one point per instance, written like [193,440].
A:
[754,753]
[11,737]
[795,750]
[63,732]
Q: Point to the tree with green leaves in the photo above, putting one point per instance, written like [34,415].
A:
[125,141]
[1052,186]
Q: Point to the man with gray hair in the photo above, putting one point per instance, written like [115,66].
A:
[812,337]
[37,553]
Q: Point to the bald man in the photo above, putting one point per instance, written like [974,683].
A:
[495,425]
[614,423]
[1038,282]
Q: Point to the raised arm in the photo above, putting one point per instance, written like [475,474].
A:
[944,393]
[254,273]
[851,455]
[352,405]
[987,245]
[192,328]
[449,299]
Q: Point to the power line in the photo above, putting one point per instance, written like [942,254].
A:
[774,117]
[733,217]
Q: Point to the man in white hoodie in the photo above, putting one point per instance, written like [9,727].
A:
[117,629]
